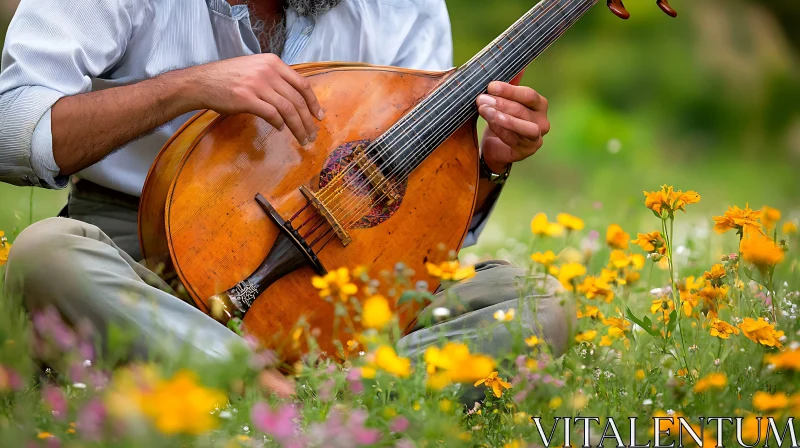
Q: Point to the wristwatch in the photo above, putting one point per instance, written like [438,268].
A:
[491,176]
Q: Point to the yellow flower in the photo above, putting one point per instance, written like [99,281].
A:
[789,228]
[555,403]
[504,316]
[617,326]
[44,435]
[769,217]
[714,380]
[514,444]
[533,341]
[753,430]
[617,238]
[722,329]
[688,302]
[764,401]
[606,341]
[651,242]
[788,360]
[668,200]
[445,405]
[663,307]
[586,336]
[453,363]
[567,273]
[376,313]
[590,311]
[745,221]
[450,270]
[335,284]
[495,383]
[640,374]
[715,275]
[545,259]
[540,226]
[5,248]
[761,332]
[570,222]
[761,251]
[593,287]
[181,405]
[386,359]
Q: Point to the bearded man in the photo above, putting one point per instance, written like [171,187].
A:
[92,90]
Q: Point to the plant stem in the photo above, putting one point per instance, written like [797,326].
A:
[675,295]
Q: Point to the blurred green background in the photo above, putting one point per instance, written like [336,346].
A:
[707,101]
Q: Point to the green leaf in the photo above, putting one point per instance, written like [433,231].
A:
[647,325]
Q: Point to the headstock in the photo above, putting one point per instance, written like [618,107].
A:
[619,10]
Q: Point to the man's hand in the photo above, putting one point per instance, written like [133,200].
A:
[517,118]
[261,85]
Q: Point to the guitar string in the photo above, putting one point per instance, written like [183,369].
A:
[395,129]
[571,16]
[468,107]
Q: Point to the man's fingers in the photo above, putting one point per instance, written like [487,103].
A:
[289,114]
[268,113]
[505,106]
[523,95]
[303,86]
[524,129]
[287,91]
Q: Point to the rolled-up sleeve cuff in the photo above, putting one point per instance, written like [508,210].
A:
[42,160]
[26,139]
[480,217]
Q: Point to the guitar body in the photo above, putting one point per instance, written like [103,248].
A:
[198,215]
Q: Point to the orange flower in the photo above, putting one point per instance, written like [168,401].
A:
[567,273]
[668,200]
[761,332]
[788,360]
[714,380]
[545,259]
[335,284]
[744,221]
[590,311]
[761,251]
[5,248]
[450,270]
[495,383]
[616,237]
[376,313]
[715,275]
[789,228]
[586,336]
[769,217]
[595,287]
[722,329]
[651,242]
[764,401]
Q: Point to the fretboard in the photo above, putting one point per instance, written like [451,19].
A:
[406,144]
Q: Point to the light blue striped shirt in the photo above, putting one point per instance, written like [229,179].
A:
[56,48]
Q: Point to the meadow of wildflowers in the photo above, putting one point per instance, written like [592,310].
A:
[659,333]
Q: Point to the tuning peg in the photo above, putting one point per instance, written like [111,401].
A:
[664,5]
[618,9]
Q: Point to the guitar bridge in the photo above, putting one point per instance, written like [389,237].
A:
[323,210]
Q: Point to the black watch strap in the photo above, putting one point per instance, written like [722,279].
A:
[491,176]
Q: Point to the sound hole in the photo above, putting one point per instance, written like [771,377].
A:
[357,202]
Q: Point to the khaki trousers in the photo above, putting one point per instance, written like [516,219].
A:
[87,274]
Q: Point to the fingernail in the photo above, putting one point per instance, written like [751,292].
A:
[494,87]
[304,142]
[313,137]
[501,117]
[489,113]
[320,114]
[487,100]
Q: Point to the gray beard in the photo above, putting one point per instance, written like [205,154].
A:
[272,36]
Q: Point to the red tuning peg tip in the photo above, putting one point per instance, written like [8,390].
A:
[618,9]
[664,5]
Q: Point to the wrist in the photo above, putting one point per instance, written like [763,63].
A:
[182,91]
[494,174]
[495,167]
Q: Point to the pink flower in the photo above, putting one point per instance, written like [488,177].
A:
[354,379]
[56,401]
[398,424]
[9,379]
[362,435]
[325,392]
[279,424]
[91,421]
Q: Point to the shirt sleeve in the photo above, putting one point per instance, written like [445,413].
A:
[429,46]
[53,48]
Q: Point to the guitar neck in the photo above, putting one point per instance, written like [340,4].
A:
[452,104]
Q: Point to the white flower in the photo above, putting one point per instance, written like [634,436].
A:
[245,429]
[79,386]
[225,414]
[670,412]
[716,362]
[504,316]
[87,363]
[441,312]
[647,402]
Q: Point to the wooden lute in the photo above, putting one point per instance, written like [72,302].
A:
[245,216]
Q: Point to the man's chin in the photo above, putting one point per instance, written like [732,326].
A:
[312,8]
